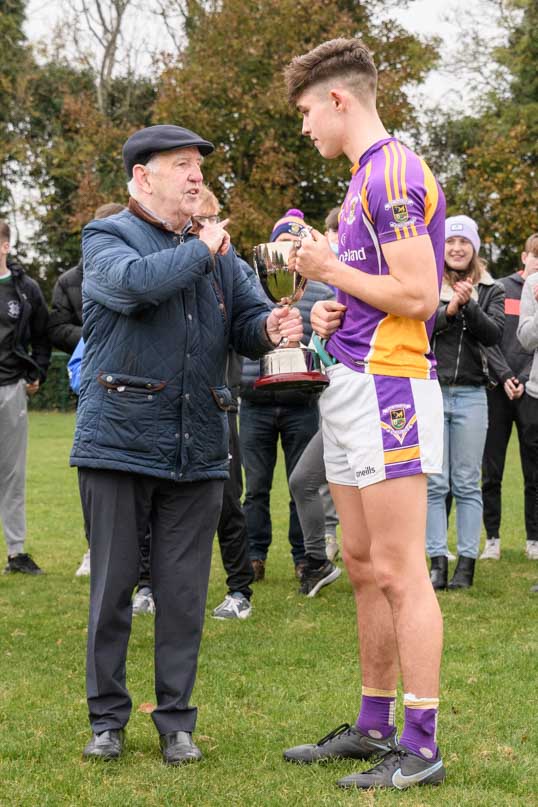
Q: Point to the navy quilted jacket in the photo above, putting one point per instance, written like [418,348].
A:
[158,321]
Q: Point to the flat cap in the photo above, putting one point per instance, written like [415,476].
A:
[163,137]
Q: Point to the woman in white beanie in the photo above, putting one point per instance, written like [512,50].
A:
[470,317]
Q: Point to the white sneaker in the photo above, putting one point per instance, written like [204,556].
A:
[143,601]
[234,606]
[84,568]
[531,550]
[331,547]
[449,555]
[492,549]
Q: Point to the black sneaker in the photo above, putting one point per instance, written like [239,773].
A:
[345,742]
[399,769]
[314,579]
[22,563]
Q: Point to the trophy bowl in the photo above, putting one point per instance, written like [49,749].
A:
[293,366]
[271,265]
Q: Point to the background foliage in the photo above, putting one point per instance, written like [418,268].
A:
[67,107]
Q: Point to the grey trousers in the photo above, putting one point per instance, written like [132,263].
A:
[13,442]
[315,507]
[184,518]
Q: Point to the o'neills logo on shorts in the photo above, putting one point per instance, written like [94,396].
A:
[368,471]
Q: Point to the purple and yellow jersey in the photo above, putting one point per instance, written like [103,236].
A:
[392,196]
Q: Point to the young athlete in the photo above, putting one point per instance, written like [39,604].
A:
[382,412]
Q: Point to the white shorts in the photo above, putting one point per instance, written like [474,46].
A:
[380,427]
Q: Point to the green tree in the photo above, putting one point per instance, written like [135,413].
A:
[489,161]
[227,84]
[15,61]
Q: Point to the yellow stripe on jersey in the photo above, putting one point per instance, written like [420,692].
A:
[404,185]
[432,193]
[397,194]
[399,347]
[401,455]
[364,196]
[388,188]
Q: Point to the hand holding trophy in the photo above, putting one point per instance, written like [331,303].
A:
[291,365]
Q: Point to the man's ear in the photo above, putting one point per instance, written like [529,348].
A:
[339,99]
[141,177]
[524,256]
[5,246]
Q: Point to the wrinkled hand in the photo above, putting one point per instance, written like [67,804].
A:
[326,317]
[32,387]
[215,237]
[513,388]
[311,257]
[284,323]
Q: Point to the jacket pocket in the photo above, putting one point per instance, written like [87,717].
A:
[129,417]
[224,399]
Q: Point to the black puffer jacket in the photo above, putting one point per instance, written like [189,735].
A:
[31,344]
[459,342]
[65,321]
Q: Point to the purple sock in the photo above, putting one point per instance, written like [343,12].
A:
[376,717]
[420,727]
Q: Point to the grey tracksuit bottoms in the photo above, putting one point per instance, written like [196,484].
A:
[13,442]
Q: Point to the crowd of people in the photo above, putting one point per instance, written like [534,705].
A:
[166,324]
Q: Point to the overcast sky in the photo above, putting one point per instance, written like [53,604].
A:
[424,17]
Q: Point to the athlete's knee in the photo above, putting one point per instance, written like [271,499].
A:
[359,569]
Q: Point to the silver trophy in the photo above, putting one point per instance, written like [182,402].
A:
[292,366]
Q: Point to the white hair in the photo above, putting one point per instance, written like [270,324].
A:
[151,166]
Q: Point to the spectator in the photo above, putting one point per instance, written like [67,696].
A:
[232,528]
[509,366]
[331,228]
[527,333]
[24,360]
[65,326]
[470,317]
[265,417]
[65,319]
[160,309]
[310,491]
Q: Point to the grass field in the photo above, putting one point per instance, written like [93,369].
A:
[287,675]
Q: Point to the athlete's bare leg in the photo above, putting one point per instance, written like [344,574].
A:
[393,516]
[377,642]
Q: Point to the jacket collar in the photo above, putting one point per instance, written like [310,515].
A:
[144,213]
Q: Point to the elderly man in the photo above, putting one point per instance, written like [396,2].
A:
[160,308]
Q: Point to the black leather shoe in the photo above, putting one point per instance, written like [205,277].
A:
[105,745]
[178,748]
[463,574]
[439,572]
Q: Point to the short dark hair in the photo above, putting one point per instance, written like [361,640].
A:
[331,222]
[348,59]
[5,231]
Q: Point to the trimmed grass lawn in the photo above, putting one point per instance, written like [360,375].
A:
[286,675]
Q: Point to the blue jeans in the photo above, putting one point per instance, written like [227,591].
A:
[466,423]
[260,426]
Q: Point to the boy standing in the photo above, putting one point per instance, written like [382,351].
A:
[23,322]
[382,412]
